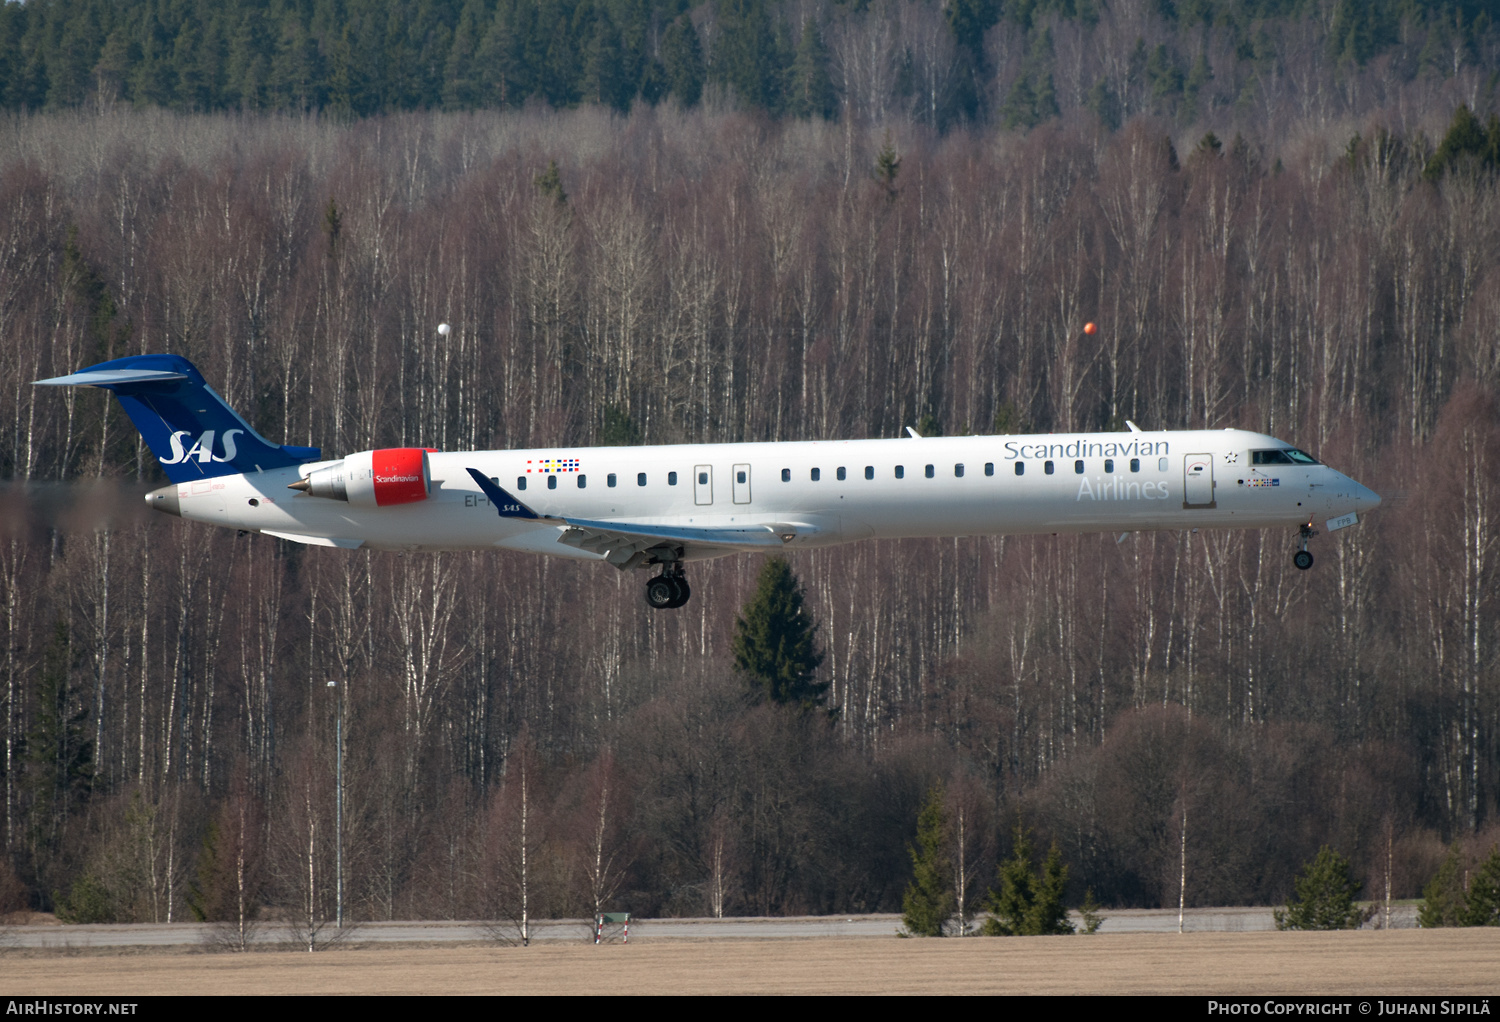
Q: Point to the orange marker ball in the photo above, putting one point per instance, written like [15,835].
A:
[1089,328]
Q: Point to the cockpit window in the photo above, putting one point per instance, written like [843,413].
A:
[1284,456]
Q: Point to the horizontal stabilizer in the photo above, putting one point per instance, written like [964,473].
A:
[112,378]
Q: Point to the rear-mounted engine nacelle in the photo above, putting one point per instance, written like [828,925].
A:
[392,475]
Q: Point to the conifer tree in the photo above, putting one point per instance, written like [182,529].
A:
[1443,897]
[746,57]
[549,183]
[775,641]
[1029,904]
[462,80]
[604,80]
[1482,906]
[1049,912]
[1323,897]
[887,166]
[1198,79]
[1033,97]
[682,61]
[619,428]
[927,904]
[58,749]
[501,57]
[1465,137]
[809,91]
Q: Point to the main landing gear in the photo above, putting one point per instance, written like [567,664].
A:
[1303,559]
[668,590]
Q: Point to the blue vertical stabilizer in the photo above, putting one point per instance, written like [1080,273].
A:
[189,428]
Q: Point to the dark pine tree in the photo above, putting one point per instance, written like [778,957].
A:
[775,641]
[58,751]
[746,57]
[1443,896]
[1029,904]
[1465,137]
[928,903]
[682,61]
[809,91]
[462,87]
[1323,897]
[1482,906]
[604,78]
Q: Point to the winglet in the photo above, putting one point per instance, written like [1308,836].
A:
[507,505]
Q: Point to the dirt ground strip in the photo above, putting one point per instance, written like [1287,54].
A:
[1380,963]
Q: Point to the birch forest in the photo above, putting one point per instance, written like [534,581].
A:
[1313,253]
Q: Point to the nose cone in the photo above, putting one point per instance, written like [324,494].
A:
[165,500]
[1365,499]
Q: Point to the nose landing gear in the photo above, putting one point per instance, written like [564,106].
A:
[668,590]
[1303,558]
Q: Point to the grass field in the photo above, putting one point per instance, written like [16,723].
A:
[1361,963]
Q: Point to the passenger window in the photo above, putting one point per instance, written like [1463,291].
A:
[739,477]
[900,471]
[817,474]
[702,478]
[640,479]
[1020,468]
[671,478]
[958,471]
[869,471]
[786,475]
[609,480]
[1135,464]
[928,473]
[1109,466]
[841,474]
[1047,467]
[989,468]
[583,481]
[1161,464]
[520,482]
[552,482]
[1078,468]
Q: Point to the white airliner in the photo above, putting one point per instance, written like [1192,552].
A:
[635,507]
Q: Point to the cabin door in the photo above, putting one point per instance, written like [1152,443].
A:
[1198,481]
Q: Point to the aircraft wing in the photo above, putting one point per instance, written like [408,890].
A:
[624,544]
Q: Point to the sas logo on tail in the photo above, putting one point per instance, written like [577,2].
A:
[203,448]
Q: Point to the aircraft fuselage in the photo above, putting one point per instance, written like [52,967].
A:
[822,493]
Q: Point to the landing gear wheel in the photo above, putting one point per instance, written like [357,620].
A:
[684,591]
[662,592]
[1303,559]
